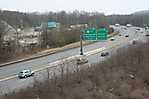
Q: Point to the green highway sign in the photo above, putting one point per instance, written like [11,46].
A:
[93,34]
[90,34]
[52,24]
[102,34]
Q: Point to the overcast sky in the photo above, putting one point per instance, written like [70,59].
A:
[106,6]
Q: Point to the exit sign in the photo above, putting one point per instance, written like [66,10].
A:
[92,34]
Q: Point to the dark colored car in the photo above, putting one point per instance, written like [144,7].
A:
[138,29]
[104,54]
[126,35]
[147,34]
[134,42]
[120,34]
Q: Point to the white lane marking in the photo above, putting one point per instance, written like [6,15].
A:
[54,64]
[8,78]
[95,51]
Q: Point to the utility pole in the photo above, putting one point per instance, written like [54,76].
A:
[44,34]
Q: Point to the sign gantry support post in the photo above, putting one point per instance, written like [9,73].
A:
[81,45]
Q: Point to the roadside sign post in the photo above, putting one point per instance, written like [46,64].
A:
[91,34]
[81,45]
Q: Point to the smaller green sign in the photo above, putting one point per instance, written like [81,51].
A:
[102,34]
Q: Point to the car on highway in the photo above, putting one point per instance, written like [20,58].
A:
[134,41]
[141,32]
[138,29]
[126,35]
[82,60]
[128,25]
[125,28]
[146,28]
[104,54]
[117,25]
[25,73]
[147,34]
[112,39]
[120,34]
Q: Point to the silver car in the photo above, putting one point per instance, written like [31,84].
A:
[25,73]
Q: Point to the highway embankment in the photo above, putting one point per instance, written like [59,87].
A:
[47,52]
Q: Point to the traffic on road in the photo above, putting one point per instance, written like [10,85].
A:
[93,53]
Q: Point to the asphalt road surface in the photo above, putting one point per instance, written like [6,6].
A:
[110,46]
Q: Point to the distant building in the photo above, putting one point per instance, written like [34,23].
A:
[28,42]
[9,32]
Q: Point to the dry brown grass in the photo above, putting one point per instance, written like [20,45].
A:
[123,76]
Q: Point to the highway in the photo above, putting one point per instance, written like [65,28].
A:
[93,57]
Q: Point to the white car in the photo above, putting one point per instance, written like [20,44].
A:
[25,73]
[112,39]
[117,25]
[128,25]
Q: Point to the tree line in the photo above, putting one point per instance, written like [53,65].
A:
[63,36]
[16,19]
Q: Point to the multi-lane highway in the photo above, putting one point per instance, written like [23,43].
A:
[93,54]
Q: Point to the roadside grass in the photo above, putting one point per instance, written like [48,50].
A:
[123,76]
[40,52]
